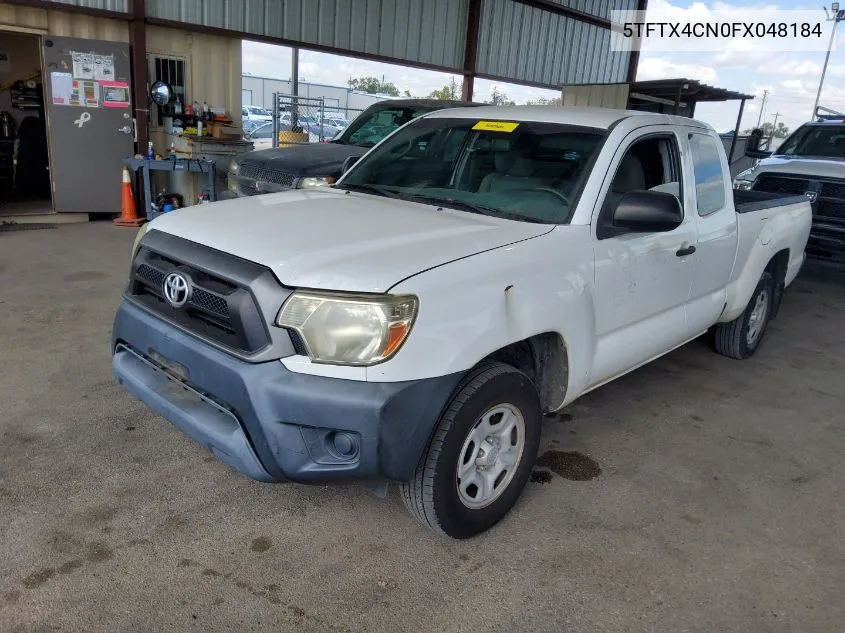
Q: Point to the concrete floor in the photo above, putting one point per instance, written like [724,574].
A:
[719,507]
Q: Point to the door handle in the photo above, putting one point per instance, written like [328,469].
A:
[684,251]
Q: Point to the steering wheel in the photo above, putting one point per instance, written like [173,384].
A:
[549,190]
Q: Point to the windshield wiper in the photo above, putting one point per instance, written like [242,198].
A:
[473,207]
[367,188]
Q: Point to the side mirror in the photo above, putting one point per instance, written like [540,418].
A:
[752,145]
[347,164]
[647,212]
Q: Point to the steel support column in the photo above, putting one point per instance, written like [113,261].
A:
[736,132]
[471,49]
[139,71]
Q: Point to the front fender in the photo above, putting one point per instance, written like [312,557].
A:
[474,306]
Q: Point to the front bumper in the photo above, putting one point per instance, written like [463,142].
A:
[272,424]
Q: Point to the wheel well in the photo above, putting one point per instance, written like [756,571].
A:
[543,358]
[777,268]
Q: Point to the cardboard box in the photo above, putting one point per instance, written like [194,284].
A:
[221,130]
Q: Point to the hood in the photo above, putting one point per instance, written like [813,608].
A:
[329,239]
[805,166]
[313,159]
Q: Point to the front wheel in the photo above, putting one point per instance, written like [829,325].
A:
[480,456]
[741,337]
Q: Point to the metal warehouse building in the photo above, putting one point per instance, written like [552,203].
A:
[196,44]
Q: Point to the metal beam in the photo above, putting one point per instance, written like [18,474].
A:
[634,58]
[140,79]
[471,48]
[641,97]
[736,132]
[558,9]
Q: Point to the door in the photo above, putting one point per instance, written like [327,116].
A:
[642,280]
[87,94]
[707,173]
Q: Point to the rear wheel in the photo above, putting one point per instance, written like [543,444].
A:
[741,337]
[481,455]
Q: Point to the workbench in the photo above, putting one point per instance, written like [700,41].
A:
[180,165]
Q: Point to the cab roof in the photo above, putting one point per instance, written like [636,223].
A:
[602,118]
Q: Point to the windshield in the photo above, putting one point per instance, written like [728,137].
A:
[527,171]
[815,140]
[366,131]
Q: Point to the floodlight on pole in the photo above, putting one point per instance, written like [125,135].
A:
[835,15]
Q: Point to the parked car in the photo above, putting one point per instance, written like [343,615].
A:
[254,113]
[261,136]
[810,162]
[481,267]
[320,164]
[337,121]
[248,125]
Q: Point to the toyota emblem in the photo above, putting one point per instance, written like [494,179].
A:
[177,290]
[812,195]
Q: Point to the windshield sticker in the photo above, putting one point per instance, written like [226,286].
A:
[495,126]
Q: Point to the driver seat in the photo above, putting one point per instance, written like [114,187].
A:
[514,170]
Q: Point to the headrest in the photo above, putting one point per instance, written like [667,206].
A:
[630,175]
[513,163]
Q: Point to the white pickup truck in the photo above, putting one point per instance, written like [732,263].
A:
[479,267]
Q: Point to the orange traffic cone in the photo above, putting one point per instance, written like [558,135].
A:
[128,215]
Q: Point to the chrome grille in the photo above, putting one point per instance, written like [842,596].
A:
[259,173]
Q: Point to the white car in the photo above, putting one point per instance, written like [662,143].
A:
[254,113]
[477,268]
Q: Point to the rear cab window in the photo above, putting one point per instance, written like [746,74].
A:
[708,172]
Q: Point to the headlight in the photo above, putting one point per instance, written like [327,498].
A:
[231,183]
[314,181]
[743,179]
[349,329]
[144,228]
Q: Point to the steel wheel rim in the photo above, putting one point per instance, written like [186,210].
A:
[757,318]
[490,456]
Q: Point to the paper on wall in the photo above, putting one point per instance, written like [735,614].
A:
[85,94]
[61,87]
[104,67]
[83,65]
[115,94]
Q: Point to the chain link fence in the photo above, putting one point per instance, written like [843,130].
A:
[299,120]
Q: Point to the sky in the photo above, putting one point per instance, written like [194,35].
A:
[792,78]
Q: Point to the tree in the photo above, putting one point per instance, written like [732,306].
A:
[781,131]
[542,101]
[372,85]
[449,92]
[499,98]
[408,94]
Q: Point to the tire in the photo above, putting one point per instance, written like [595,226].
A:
[732,339]
[433,496]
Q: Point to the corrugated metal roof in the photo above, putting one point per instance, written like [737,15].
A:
[528,44]
[108,5]
[600,8]
[426,31]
